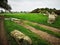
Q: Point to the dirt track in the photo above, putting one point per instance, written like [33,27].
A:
[50,28]
[3,39]
[47,27]
[51,39]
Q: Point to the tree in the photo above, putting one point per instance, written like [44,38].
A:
[4,5]
[57,12]
[35,10]
[1,11]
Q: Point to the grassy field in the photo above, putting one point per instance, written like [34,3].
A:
[35,17]
[10,26]
[44,29]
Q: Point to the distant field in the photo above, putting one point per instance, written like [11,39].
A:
[35,17]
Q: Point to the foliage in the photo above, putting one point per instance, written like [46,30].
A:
[4,4]
[35,10]
[57,12]
[43,10]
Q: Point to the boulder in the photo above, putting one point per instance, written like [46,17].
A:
[21,38]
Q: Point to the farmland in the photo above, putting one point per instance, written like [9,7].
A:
[35,18]
[29,22]
[10,26]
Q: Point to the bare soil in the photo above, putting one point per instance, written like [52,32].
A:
[47,27]
[51,39]
[3,38]
[50,28]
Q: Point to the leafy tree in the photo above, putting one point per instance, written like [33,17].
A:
[57,12]
[35,10]
[1,11]
[4,4]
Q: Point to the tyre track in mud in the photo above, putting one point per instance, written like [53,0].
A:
[47,27]
[3,38]
[51,39]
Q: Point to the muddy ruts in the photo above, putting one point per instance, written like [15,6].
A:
[3,39]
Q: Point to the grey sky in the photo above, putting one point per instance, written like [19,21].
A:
[28,5]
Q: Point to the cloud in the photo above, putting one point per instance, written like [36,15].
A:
[28,5]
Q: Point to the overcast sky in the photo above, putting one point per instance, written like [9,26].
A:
[28,5]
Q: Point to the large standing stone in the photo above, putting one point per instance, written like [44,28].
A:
[51,18]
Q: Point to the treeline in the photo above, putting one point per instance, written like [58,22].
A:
[44,10]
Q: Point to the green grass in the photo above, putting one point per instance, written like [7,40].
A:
[35,17]
[44,29]
[29,16]
[10,26]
